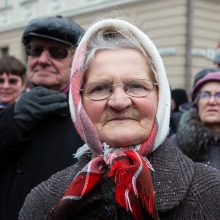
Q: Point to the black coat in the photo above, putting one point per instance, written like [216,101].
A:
[26,163]
[184,191]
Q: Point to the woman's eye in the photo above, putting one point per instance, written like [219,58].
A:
[100,88]
[131,86]
[217,94]
[204,94]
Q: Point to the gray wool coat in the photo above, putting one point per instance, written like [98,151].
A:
[184,190]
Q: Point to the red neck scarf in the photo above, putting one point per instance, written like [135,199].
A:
[132,176]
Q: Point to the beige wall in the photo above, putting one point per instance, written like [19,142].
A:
[165,21]
[206,31]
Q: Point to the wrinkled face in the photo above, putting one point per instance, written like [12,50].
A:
[11,87]
[46,70]
[121,120]
[209,107]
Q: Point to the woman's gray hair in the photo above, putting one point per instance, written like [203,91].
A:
[115,39]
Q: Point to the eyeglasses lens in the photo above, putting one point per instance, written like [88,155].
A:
[55,52]
[135,88]
[10,81]
[207,95]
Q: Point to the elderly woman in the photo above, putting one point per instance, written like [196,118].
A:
[120,105]
[198,135]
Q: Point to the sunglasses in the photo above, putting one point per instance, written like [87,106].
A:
[10,81]
[55,52]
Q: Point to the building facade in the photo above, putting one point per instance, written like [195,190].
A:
[186,32]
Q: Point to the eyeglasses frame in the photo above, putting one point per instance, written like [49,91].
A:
[122,85]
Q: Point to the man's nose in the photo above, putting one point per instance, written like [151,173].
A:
[44,56]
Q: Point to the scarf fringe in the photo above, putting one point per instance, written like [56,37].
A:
[133,181]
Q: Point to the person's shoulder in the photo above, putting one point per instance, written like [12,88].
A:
[205,189]
[208,174]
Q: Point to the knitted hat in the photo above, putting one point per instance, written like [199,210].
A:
[202,73]
[210,77]
[84,125]
[55,28]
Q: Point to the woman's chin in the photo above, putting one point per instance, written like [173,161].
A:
[123,139]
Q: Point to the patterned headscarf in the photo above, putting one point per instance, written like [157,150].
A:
[128,166]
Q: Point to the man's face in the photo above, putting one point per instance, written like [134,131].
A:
[44,68]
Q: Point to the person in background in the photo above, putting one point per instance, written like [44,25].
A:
[178,97]
[120,104]
[179,104]
[198,135]
[12,80]
[216,60]
[37,134]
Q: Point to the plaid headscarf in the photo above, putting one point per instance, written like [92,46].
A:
[128,166]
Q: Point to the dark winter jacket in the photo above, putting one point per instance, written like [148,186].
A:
[184,190]
[197,141]
[26,163]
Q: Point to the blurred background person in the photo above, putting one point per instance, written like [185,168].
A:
[37,134]
[216,59]
[198,134]
[12,80]
[178,97]
[179,104]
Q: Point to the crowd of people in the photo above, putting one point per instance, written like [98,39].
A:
[90,128]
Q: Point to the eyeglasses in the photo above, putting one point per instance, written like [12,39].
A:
[55,52]
[135,88]
[206,95]
[10,81]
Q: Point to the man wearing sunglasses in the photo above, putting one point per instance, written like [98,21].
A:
[37,134]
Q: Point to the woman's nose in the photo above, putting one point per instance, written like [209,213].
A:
[5,84]
[119,100]
[212,99]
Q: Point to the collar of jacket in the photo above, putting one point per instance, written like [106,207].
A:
[172,177]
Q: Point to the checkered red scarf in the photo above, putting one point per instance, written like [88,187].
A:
[131,173]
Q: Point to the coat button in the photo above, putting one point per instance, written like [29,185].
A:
[21,169]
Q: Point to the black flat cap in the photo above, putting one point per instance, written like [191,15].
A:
[55,28]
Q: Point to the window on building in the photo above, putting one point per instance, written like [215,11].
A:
[4,51]
[5,3]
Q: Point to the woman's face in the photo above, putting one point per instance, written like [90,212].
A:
[209,105]
[121,120]
[11,87]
